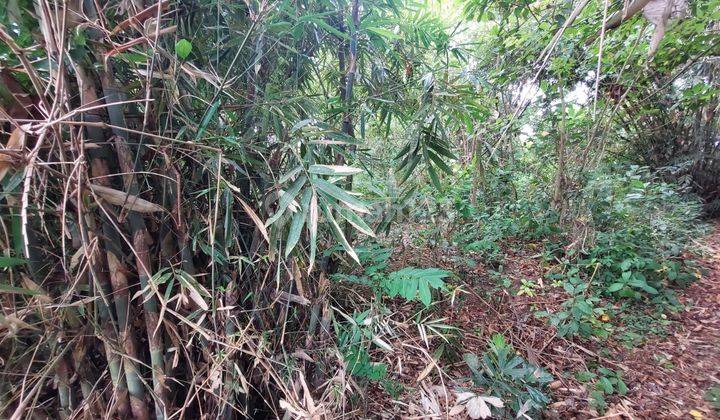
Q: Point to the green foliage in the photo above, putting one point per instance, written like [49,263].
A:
[10,261]
[637,252]
[502,373]
[410,283]
[643,228]
[606,382]
[578,314]
[414,283]
[281,131]
[712,395]
[354,339]
[183,48]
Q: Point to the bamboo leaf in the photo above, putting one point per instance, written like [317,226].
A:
[250,212]
[384,33]
[439,162]
[337,232]
[11,261]
[335,170]
[287,198]
[313,225]
[298,222]
[6,288]
[356,221]
[209,115]
[341,195]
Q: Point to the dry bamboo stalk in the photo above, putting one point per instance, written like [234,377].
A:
[119,286]
[150,302]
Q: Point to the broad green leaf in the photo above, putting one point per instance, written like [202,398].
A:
[615,287]
[183,48]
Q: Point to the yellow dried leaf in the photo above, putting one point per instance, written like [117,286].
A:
[16,142]
[696,414]
[128,201]
[41,295]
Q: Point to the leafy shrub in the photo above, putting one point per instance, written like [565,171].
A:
[633,199]
[410,283]
[414,283]
[354,339]
[504,374]
[579,313]
[641,228]
[606,382]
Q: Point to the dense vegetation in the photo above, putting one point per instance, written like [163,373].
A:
[223,209]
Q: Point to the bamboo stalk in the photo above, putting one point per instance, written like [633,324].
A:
[118,282]
[150,302]
[98,276]
[63,385]
[142,254]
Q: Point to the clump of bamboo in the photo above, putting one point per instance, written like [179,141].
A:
[159,265]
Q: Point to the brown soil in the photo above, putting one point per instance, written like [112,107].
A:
[667,374]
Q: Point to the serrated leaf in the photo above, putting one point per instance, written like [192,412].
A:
[622,388]
[605,385]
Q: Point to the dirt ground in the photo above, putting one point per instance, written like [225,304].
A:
[667,373]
